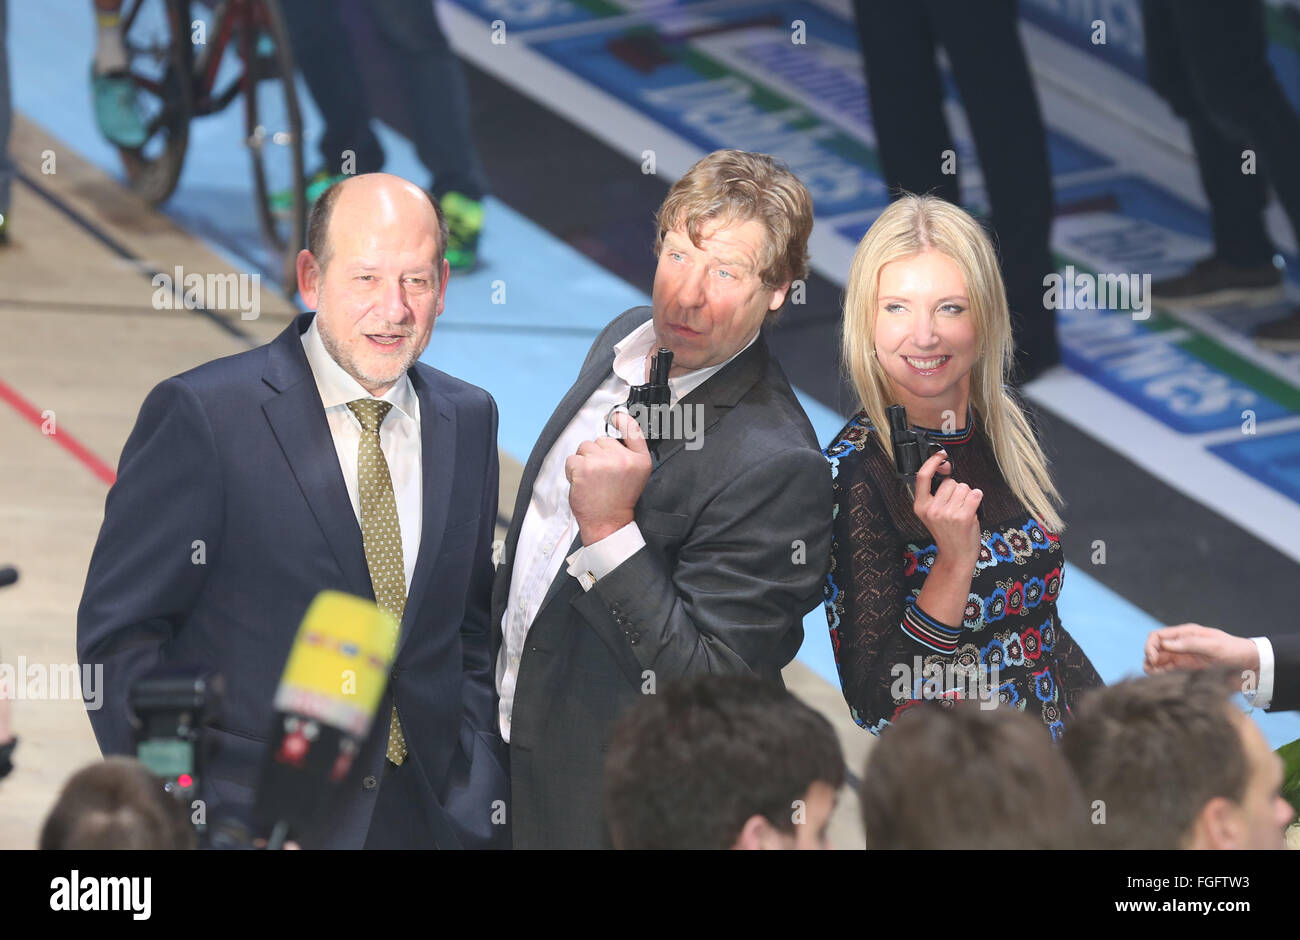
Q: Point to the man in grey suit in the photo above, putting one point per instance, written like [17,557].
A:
[625,570]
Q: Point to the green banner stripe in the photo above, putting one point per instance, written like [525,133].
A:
[600,7]
[1243,370]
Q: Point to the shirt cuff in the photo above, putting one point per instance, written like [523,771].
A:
[592,562]
[1262,697]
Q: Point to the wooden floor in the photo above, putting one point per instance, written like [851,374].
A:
[81,345]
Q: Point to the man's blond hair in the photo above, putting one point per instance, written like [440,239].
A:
[734,187]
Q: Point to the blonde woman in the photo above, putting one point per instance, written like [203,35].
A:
[950,593]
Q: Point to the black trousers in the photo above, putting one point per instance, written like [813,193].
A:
[1209,60]
[899,40]
[432,84]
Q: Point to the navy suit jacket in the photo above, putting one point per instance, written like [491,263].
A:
[237,454]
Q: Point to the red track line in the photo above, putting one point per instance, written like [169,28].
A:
[60,437]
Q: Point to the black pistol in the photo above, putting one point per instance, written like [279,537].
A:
[911,447]
[642,400]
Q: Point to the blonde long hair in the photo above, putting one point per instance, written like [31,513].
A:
[907,227]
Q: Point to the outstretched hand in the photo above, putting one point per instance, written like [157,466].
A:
[1192,646]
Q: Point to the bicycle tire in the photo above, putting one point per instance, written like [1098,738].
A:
[290,242]
[154,178]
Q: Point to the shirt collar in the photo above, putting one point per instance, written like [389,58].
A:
[338,388]
[630,358]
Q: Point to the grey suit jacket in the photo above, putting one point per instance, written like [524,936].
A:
[737,543]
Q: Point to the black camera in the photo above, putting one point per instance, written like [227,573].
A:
[170,706]
[912,447]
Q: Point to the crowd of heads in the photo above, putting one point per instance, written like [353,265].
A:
[735,762]
[1160,762]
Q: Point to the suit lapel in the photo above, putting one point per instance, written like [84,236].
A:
[562,577]
[720,393]
[569,406]
[297,418]
[437,468]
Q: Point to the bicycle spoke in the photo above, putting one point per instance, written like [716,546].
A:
[153,86]
[272,126]
[129,16]
[227,94]
[162,118]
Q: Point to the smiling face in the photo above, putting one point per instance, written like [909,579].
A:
[380,291]
[709,301]
[925,336]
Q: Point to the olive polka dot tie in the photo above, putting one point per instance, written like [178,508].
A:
[381,533]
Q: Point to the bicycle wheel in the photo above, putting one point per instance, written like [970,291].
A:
[156,34]
[273,126]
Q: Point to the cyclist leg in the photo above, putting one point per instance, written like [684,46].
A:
[324,56]
[437,99]
[117,112]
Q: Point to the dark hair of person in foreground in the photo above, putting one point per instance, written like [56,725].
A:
[1169,761]
[117,804]
[721,762]
[953,775]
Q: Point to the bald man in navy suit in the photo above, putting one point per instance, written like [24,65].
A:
[257,457]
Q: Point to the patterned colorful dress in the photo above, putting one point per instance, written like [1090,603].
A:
[890,653]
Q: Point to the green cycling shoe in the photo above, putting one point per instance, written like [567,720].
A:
[117,109]
[464,225]
[282,200]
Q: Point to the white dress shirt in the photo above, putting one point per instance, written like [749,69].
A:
[399,439]
[549,527]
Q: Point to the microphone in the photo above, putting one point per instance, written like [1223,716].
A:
[8,576]
[324,708]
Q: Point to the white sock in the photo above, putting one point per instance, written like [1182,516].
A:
[110,51]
